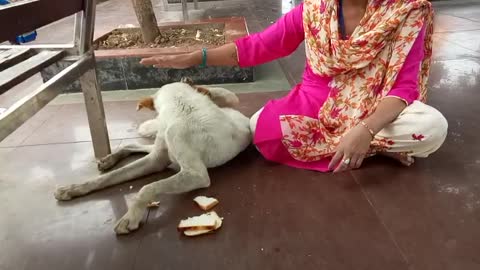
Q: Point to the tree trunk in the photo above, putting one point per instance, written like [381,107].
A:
[146,19]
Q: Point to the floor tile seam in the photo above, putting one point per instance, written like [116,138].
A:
[39,126]
[460,17]
[456,31]
[58,143]
[384,225]
[140,242]
[458,44]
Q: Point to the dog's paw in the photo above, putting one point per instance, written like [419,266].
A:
[127,224]
[64,193]
[106,163]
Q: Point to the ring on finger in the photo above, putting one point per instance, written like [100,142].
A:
[346,161]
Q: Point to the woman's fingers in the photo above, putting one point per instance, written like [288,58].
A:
[158,61]
[356,161]
[353,161]
[149,61]
[359,161]
[167,61]
[336,159]
[340,168]
[344,163]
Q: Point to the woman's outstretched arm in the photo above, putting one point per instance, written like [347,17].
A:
[225,55]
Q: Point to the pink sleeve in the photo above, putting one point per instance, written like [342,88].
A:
[278,40]
[406,85]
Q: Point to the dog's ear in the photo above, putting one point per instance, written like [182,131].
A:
[203,91]
[187,80]
[146,103]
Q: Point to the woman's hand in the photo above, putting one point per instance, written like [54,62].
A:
[352,150]
[355,144]
[179,61]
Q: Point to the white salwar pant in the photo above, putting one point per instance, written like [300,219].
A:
[418,131]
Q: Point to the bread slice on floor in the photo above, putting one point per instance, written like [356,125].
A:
[199,231]
[206,221]
[196,232]
[206,203]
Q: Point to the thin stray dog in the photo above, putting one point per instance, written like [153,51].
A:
[195,129]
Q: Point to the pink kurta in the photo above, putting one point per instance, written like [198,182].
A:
[306,98]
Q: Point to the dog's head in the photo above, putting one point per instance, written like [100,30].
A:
[220,96]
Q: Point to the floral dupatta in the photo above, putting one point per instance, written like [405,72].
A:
[364,68]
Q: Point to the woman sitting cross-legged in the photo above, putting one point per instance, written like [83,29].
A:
[363,87]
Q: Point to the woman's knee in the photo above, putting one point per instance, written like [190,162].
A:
[435,121]
[432,129]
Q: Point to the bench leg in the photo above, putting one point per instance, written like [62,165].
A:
[165,5]
[95,113]
[185,10]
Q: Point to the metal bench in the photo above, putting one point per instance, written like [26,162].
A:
[19,62]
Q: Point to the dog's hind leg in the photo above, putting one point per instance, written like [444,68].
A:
[155,161]
[109,161]
[192,175]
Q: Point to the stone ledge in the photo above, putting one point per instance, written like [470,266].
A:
[119,69]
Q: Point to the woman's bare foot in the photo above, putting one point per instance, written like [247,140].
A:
[402,157]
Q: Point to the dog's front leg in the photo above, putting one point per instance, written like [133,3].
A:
[184,181]
[153,162]
[111,160]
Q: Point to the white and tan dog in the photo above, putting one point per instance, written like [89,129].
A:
[195,129]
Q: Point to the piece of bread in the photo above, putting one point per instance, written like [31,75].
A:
[206,203]
[206,221]
[195,232]
[153,204]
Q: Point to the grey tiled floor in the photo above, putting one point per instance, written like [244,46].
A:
[384,216]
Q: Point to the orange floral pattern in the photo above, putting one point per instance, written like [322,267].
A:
[364,68]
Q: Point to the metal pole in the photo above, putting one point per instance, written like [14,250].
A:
[185,10]
[77,29]
[88,26]
[88,82]
[39,46]
[95,111]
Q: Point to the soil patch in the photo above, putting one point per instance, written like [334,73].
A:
[129,38]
